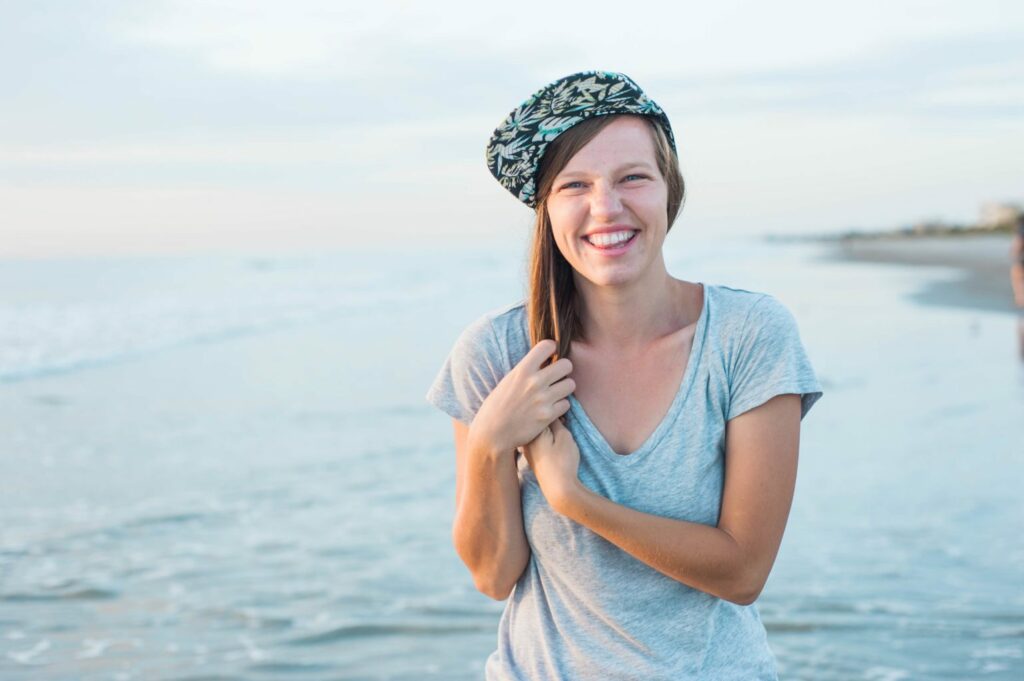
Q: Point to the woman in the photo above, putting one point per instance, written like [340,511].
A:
[1017,262]
[634,537]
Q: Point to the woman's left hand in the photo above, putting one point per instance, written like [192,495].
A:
[554,459]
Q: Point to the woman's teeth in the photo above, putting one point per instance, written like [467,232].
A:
[609,239]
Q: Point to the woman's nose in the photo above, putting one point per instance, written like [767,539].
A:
[604,200]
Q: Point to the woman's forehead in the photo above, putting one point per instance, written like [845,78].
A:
[622,144]
[581,170]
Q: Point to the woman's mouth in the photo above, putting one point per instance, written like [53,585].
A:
[611,243]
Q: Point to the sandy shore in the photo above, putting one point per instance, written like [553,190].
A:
[983,260]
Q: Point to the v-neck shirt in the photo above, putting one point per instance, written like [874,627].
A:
[583,607]
[598,440]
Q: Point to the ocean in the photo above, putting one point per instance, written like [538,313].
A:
[224,467]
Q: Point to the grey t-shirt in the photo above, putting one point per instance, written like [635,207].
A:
[584,608]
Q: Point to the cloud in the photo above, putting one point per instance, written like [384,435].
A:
[183,117]
[964,76]
[112,72]
[321,39]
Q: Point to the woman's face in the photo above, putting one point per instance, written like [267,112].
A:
[610,190]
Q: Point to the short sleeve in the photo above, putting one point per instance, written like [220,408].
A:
[769,359]
[471,371]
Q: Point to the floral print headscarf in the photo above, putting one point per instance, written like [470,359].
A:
[517,145]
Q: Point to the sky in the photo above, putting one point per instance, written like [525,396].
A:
[188,126]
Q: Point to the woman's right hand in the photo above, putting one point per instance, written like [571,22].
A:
[526,401]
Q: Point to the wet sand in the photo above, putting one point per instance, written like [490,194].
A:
[983,262]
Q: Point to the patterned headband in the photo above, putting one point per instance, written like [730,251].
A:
[515,149]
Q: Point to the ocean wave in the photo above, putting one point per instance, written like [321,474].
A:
[353,631]
[42,338]
[84,593]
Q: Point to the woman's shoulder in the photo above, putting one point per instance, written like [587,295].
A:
[511,312]
[503,318]
[501,331]
[481,356]
[740,311]
[734,301]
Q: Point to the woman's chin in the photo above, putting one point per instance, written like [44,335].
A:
[610,276]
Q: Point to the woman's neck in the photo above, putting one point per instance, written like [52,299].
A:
[630,318]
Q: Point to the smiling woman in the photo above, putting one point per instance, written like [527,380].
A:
[625,441]
[612,197]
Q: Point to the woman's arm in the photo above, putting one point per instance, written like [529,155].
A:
[488,529]
[733,560]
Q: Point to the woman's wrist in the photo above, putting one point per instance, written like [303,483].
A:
[486,444]
[567,497]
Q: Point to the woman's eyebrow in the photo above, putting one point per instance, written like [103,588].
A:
[621,168]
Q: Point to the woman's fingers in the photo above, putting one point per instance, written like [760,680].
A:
[562,407]
[539,394]
[538,354]
[556,371]
[563,388]
[545,435]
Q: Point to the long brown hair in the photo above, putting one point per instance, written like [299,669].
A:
[552,303]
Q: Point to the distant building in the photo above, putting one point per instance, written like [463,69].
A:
[994,215]
[930,227]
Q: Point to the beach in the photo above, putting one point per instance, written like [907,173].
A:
[225,467]
[978,266]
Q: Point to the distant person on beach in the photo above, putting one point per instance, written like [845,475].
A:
[1017,264]
[625,441]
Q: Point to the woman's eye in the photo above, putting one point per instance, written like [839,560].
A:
[571,185]
[635,176]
